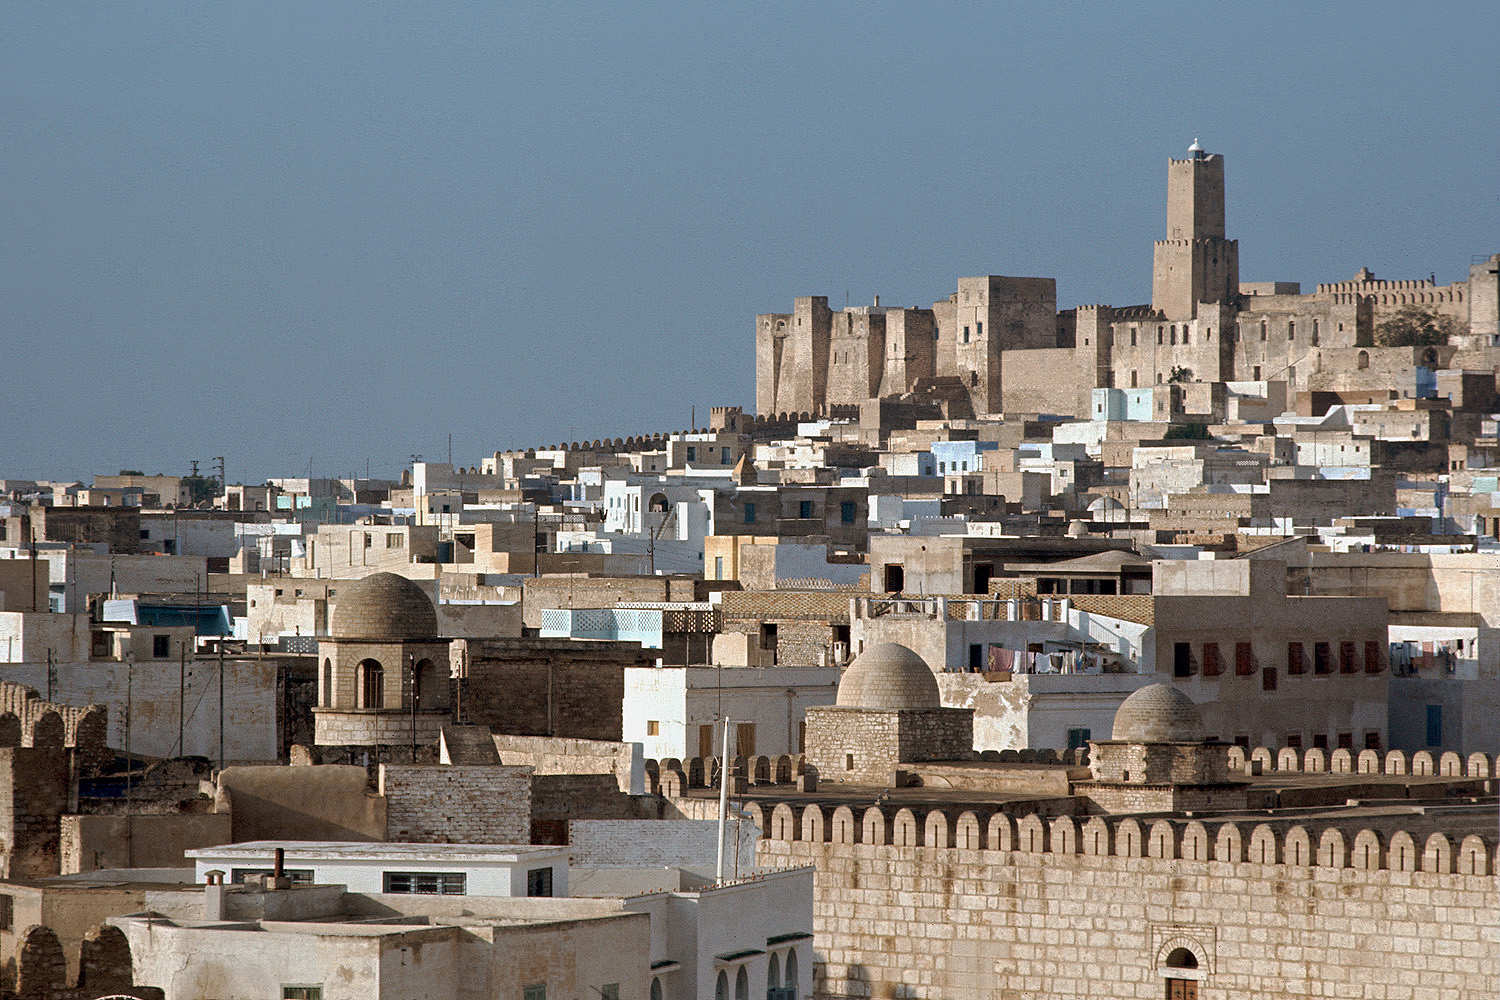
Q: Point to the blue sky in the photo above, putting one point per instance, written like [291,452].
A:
[330,234]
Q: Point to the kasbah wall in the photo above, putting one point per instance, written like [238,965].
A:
[1056,911]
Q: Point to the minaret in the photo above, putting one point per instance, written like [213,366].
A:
[1195,263]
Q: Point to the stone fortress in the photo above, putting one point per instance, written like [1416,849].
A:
[1000,343]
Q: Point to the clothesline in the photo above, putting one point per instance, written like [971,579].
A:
[1025,661]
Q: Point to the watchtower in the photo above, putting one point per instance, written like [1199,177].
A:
[1195,263]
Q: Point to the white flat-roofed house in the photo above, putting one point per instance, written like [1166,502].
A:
[414,869]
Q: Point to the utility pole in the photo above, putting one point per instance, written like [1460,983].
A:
[723,799]
[221,703]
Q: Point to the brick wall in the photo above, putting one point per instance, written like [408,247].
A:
[455,804]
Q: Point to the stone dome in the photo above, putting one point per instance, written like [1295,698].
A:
[385,607]
[888,676]
[1158,714]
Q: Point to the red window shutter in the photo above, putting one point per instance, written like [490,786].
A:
[1346,659]
[1212,667]
[1295,664]
[1244,659]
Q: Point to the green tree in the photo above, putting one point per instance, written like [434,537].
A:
[1180,374]
[201,488]
[1414,326]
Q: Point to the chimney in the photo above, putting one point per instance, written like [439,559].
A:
[213,896]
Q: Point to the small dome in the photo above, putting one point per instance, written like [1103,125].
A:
[383,606]
[1195,148]
[1159,714]
[888,676]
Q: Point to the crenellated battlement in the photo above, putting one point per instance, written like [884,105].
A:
[702,772]
[29,720]
[1274,842]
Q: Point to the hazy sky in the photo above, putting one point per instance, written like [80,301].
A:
[337,233]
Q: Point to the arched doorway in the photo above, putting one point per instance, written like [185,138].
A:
[742,985]
[721,986]
[1180,987]
[791,975]
[432,687]
[371,684]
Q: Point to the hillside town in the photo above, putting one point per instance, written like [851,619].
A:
[1003,651]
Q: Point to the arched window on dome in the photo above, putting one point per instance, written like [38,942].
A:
[371,684]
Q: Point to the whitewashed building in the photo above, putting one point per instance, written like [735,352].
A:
[404,869]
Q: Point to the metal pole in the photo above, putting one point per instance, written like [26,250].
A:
[51,674]
[181,700]
[129,791]
[32,527]
[221,703]
[723,798]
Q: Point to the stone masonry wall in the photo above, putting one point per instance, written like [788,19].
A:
[549,687]
[655,843]
[549,755]
[847,744]
[868,745]
[455,804]
[1055,910]
[33,797]
[936,734]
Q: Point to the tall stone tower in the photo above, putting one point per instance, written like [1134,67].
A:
[1195,263]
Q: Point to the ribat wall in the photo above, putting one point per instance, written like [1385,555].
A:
[958,905]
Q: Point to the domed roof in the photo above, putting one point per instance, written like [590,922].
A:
[888,676]
[1159,714]
[383,606]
